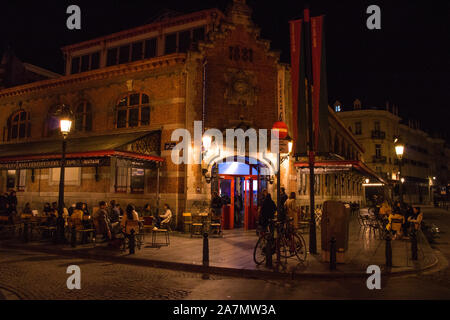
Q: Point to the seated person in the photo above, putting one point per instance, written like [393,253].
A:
[395,227]
[27,209]
[130,215]
[163,219]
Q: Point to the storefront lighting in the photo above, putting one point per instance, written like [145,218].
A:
[367,181]
[402,180]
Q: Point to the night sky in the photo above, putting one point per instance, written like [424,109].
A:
[407,62]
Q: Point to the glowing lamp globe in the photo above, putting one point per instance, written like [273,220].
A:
[281,129]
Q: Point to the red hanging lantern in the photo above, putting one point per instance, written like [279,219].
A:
[281,129]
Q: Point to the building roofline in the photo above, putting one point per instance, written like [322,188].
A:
[339,121]
[103,73]
[179,20]
[40,71]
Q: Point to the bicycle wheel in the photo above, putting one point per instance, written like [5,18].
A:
[259,253]
[300,247]
[286,249]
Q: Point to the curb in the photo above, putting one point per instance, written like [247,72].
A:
[223,271]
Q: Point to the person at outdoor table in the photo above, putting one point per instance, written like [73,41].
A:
[416,218]
[114,212]
[27,209]
[385,209]
[291,209]
[268,210]
[130,214]
[216,206]
[12,200]
[47,209]
[396,228]
[164,219]
[103,222]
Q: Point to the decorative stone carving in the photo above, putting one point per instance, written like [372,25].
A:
[240,87]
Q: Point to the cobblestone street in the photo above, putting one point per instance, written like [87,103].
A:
[31,275]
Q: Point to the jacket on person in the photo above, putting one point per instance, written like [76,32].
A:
[167,216]
[102,221]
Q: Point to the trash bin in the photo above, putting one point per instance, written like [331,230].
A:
[335,223]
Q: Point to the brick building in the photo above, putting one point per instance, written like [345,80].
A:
[130,90]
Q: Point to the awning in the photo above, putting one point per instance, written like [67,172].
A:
[140,150]
[336,166]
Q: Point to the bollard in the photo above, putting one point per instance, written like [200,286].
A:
[269,252]
[205,250]
[333,253]
[414,244]
[132,242]
[388,251]
[73,237]
[25,232]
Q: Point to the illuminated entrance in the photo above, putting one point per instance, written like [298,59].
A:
[239,185]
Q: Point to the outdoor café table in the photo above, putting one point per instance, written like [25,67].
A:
[205,221]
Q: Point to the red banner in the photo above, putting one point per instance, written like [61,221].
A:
[316,48]
[295,29]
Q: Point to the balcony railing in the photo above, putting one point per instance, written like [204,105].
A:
[378,134]
[379,159]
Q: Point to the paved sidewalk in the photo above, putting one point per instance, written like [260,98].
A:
[233,255]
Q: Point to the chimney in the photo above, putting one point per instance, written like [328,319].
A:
[357,104]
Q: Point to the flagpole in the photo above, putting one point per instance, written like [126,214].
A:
[308,80]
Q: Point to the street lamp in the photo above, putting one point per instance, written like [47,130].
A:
[399,150]
[65,116]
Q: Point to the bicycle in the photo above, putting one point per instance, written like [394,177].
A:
[285,242]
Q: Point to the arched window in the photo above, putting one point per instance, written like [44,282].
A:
[133,110]
[83,117]
[19,126]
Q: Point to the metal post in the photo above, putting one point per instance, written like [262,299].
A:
[401,176]
[278,185]
[312,226]
[205,250]
[333,254]
[25,231]
[388,251]
[73,237]
[269,245]
[132,242]
[157,188]
[414,244]
[60,238]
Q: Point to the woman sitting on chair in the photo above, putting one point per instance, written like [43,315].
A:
[164,219]
[130,215]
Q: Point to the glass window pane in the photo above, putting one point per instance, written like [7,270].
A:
[85,63]
[22,132]
[123,102]
[121,118]
[184,41]
[14,131]
[23,116]
[150,48]
[16,118]
[171,44]
[199,34]
[134,118]
[80,108]
[145,116]
[79,122]
[124,54]
[137,180]
[88,125]
[29,130]
[136,53]
[111,58]
[134,99]
[145,99]
[75,68]
[95,60]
